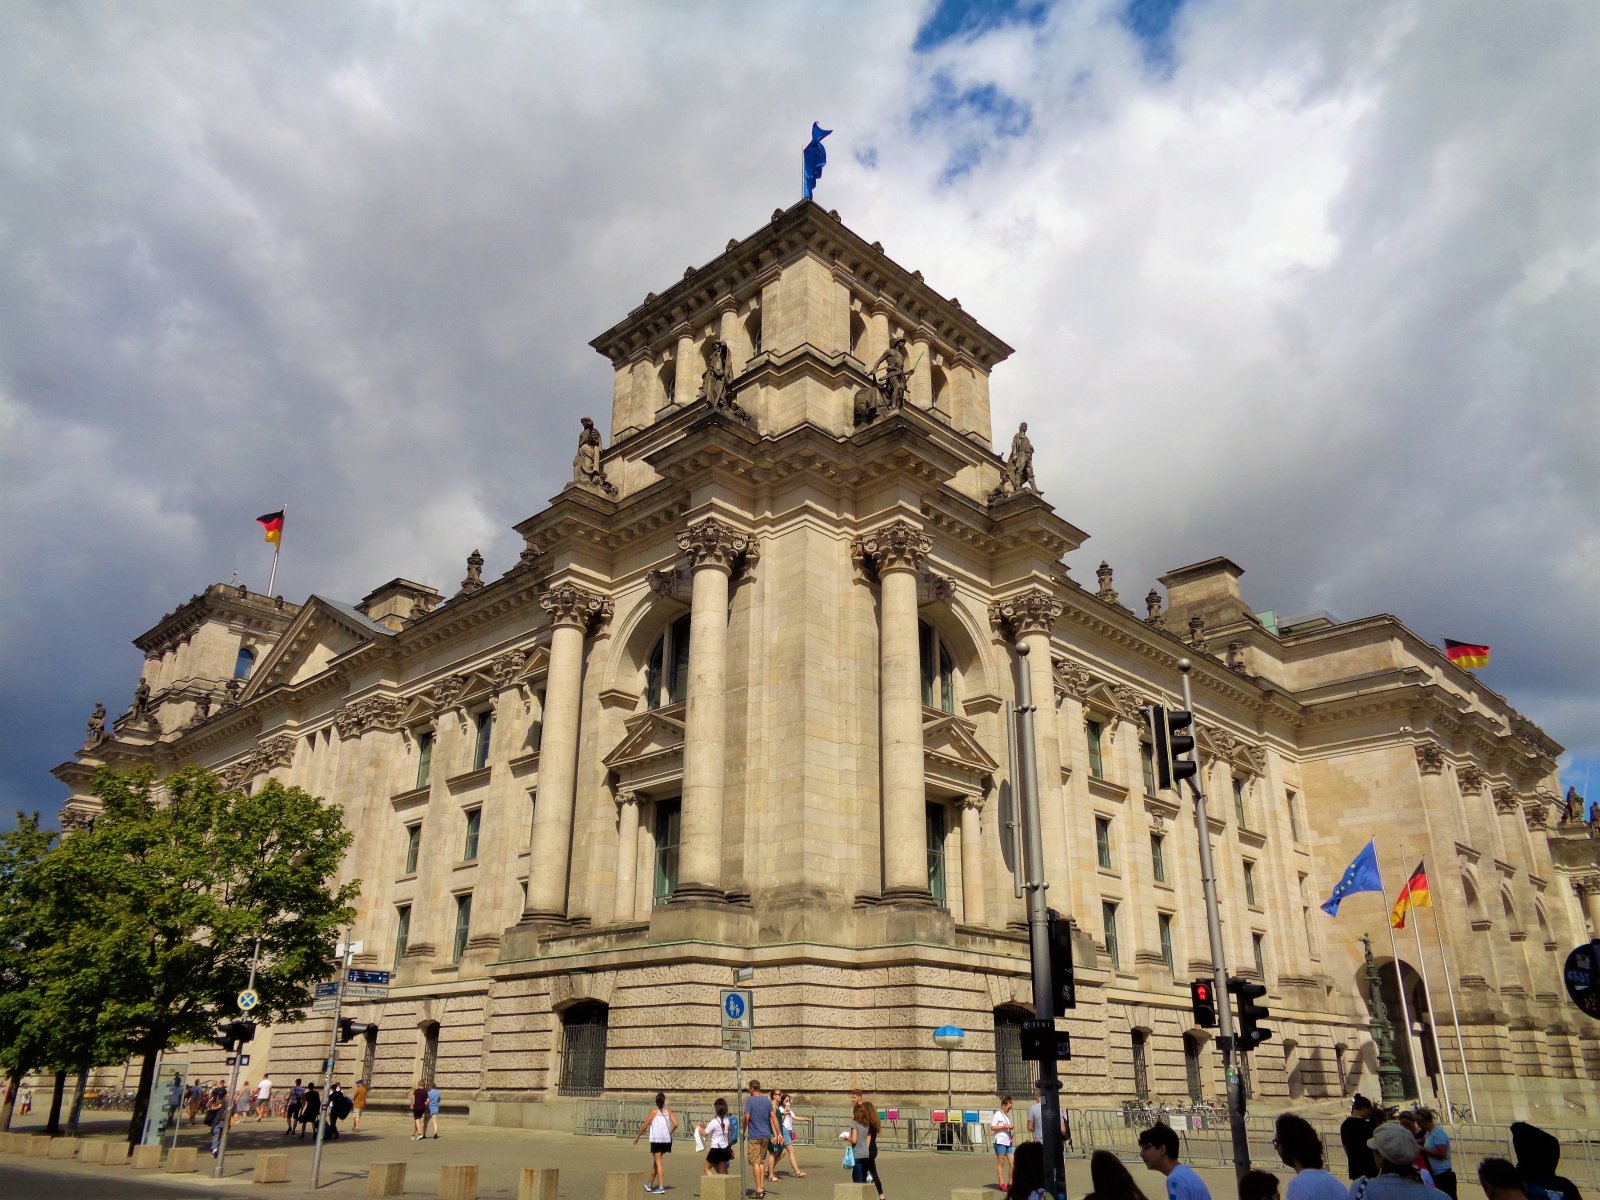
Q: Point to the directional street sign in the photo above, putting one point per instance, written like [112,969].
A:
[736,1039]
[327,989]
[736,1011]
[375,978]
[325,1004]
[248,1000]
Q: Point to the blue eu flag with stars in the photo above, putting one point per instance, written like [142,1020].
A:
[1360,876]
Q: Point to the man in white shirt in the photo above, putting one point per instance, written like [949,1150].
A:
[1036,1115]
[263,1098]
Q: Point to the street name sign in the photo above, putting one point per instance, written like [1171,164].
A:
[736,1039]
[360,991]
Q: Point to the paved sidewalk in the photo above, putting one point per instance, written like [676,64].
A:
[500,1155]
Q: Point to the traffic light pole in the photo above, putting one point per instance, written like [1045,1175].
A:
[346,954]
[1038,929]
[1219,965]
[233,1077]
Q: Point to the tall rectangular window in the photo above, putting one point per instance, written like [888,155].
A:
[1238,801]
[463,925]
[1164,927]
[1250,882]
[936,864]
[469,849]
[413,847]
[402,933]
[480,748]
[1102,841]
[1294,815]
[1147,768]
[1158,856]
[1305,917]
[1258,947]
[1108,918]
[424,758]
[1092,733]
[669,815]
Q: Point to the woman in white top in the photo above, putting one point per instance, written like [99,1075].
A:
[1000,1125]
[661,1125]
[786,1108]
[718,1134]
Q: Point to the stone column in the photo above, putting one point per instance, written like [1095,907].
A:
[712,546]
[732,336]
[688,368]
[572,609]
[972,874]
[877,317]
[919,388]
[897,549]
[1588,889]
[627,852]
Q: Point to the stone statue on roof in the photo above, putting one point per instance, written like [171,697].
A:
[586,468]
[95,732]
[892,387]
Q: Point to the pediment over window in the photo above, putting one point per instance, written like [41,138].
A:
[953,759]
[651,750]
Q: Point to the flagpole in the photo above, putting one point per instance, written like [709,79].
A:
[1433,1013]
[277,548]
[1450,989]
[1399,976]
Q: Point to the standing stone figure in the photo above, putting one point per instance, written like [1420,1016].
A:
[202,707]
[893,384]
[1019,467]
[231,692]
[714,382]
[95,732]
[586,467]
[141,701]
[1574,812]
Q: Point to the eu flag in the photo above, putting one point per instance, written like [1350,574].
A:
[1360,876]
[815,158]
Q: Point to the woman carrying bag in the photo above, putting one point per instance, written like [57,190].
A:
[863,1139]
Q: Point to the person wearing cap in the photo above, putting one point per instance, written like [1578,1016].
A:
[1355,1131]
[1394,1153]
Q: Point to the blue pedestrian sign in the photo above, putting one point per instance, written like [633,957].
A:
[736,1012]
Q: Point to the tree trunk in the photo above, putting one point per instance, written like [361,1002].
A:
[77,1102]
[9,1105]
[141,1099]
[53,1125]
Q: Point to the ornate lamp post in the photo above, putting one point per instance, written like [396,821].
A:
[1392,1088]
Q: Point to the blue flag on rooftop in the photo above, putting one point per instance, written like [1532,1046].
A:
[1360,876]
[815,158]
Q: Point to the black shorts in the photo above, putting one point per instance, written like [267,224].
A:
[720,1155]
[660,1147]
[418,1113]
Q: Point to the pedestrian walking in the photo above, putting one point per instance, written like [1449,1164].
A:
[757,1121]
[358,1102]
[419,1110]
[434,1099]
[194,1101]
[1538,1156]
[1029,1178]
[1003,1129]
[1300,1148]
[243,1101]
[863,1138]
[310,1108]
[1158,1147]
[1112,1180]
[1354,1134]
[291,1110]
[785,1103]
[338,1109]
[1394,1152]
[1436,1152]
[263,1098]
[660,1125]
[217,1116]
[718,1132]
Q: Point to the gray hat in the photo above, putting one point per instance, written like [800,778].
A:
[1396,1143]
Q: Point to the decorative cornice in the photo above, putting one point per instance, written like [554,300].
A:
[1032,611]
[375,712]
[569,604]
[897,546]
[713,543]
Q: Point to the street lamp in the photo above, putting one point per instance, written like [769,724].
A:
[948,1038]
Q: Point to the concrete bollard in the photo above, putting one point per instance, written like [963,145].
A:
[854,1191]
[146,1158]
[38,1146]
[63,1148]
[539,1183]
[626,1185]
[719,1187]
[458,1182]
[14,1143]
[271,1168]
[180,1159]
[386,1179]
[93,1152]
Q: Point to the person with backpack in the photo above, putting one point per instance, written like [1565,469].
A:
[719,1135]
[338,1109]
[310,1108]
[291,1110]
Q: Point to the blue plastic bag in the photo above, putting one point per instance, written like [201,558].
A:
[849,1162]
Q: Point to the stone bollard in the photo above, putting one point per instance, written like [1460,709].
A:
[38,1146]
[720,1187]
[458,1182]
[180,1159]
[63,1147]
[94,1152]
[626,1185]
[386,1179]
[854,1191]
[539,1183]
[146,1158]
[14,1143]
[271,1168]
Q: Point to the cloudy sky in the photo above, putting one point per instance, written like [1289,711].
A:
[1314,286]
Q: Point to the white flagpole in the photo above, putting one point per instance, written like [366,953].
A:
[1399,975]
[1433,1013]
[277,548]
[1450,989]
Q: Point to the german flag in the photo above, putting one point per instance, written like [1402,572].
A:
[1468,655]
[1413,895]
[273,524]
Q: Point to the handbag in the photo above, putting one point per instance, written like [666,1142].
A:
[849,1161]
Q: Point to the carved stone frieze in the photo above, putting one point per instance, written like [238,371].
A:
[1071,679]
[665,582]
[626,796]
[448,691]
[375,712]
[1471,777]
[1430,758]
[898,546]
[1235,659]
[569,604]
[1505,799]
[74,818]
[276,751]
[1537,816]
[1128,703]
[507,666]
[1032,611]
[973,801]
[713,543]
[1236,752]
[1584,885]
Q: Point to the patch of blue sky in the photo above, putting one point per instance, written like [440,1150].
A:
[979,116]
[963,20]
[1150,22]
[867,156]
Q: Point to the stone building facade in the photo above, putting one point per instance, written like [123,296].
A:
[743,701]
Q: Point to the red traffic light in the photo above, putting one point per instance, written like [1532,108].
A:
[1200,999]
[1202,991]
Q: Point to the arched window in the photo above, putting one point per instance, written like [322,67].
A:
[1191,1067]
[940,385]
[1475,911]
[1513,923]
[666,676]
[1012,1075]
[938,669]
[752,329]
[1544,925]
[583,1045]
[243,664]
[858,336]
[669,380]
[430,1052]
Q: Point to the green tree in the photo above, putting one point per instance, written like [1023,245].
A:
[156,909]
[21,851]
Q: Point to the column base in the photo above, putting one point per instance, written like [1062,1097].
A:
[697,893]
[544,917]
[909,897]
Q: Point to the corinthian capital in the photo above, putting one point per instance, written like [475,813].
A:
[1586,885]
[898,546]
[569,604]
[1032,611]
[713,543]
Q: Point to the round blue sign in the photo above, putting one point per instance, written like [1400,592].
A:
[734,1006]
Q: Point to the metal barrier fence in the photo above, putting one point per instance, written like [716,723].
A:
[1204,1134]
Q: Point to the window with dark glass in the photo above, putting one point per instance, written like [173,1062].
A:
[480,748]
[1102,841]
[1258,947]
[938,669]
[1238,801]
[1294,815]
[668,822]
[413,847]
[1158,856]
[244,663]
[1147,768]
[1092,734]
[1250,882]
[469,849]
[1108,919]
[666,676]
[424,758]
[463,925]
[1164,927]
[936,836]
[402,933]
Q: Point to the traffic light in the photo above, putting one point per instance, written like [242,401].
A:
[1042,1042]
[1251,1014]
[1063,982]
[350,1029]
[1202,996]
[234,1035]
[1170,744]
